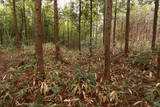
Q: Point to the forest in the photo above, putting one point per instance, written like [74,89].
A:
[79,53]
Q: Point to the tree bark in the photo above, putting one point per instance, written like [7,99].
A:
[127,28]
[79,41]
[90,49]
[115,24]
[71,31]
[107,31]
[56,32]
[104,20]
[63,36]
[68,43]
[22,24]
[158,60]
[18,45]
[1,36]
[155,23]
[38,39]
[96,33]
[25,21]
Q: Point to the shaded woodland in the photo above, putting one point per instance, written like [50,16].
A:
[79,53]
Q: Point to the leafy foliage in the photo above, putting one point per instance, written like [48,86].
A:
[153,96]
[143,59]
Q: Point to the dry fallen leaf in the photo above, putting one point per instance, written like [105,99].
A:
[44,88]
[138,102]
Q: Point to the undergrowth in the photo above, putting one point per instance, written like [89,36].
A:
[79,83]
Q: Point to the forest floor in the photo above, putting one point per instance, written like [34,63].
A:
[78,83]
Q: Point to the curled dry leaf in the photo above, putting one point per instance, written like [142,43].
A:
[4,77]
[130,91]
[138,102]
[71,100]
[113,96]
[158,84]
[84,95]
[44,88]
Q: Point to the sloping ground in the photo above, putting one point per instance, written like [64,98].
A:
[77,83]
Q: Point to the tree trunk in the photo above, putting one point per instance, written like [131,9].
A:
[155,23]
[107,31]
[68,34]
[104,21]
[79,41]
[71,36]
[56,32]
[18,45]
[1,36]
[63,41]
[127,28]
[90,49]
[115,24]
[96,33]
[158,60]
[22,24]
[25,23]
[38,39]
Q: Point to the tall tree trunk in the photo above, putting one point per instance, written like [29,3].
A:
[115,24]
[127,28]
[90,49]
[46,27]
[18,45]
[104,21]
[71,36]
[22,24]
[155,33]
[85,32]
[158,71]
[63,41]
[68,34]
[96,33]
[79,41]
[25,23]
[38,39]
[155,23]
[1,36]
[56,32]
[108,26]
